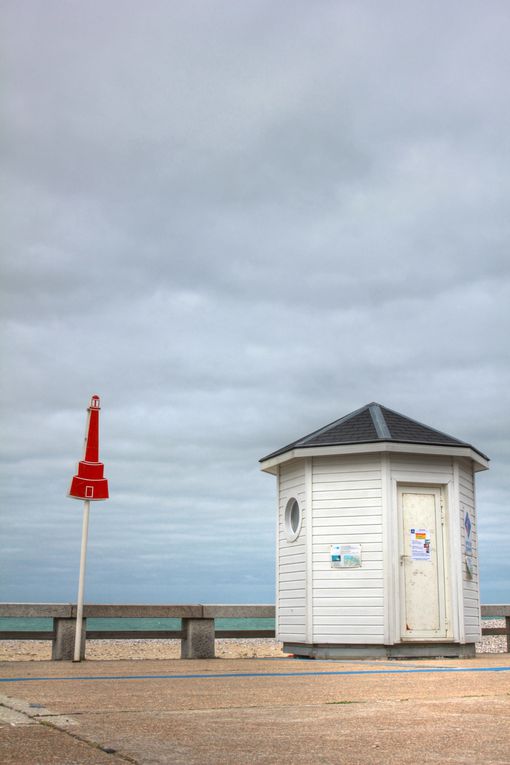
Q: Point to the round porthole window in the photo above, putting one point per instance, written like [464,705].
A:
[293,520]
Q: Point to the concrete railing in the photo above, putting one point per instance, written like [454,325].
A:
[197,633]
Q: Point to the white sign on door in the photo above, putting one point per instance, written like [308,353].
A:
[420,544]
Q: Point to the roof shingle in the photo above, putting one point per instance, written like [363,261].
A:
[373,423]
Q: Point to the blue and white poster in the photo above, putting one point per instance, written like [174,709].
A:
[345,556]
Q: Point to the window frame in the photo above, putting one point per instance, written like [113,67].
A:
[291,533]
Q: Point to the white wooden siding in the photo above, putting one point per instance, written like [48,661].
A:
[470,586]
[347,509]
[291,569]
[347,605]
[433,469]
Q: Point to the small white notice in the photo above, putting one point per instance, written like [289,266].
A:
[420,544]
[345,556]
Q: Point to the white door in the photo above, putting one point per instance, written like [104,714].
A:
[423,585]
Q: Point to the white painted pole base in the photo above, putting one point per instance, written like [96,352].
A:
[81,584]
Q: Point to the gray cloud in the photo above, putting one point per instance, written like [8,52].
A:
[237,222]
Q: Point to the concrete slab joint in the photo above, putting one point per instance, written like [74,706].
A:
[63,640]
[197,639]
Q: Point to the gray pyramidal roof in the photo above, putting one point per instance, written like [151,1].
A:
[374,423]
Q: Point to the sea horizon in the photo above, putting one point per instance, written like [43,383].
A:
[140,624]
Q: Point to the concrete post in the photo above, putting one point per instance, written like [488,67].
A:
[63,640]
[507,625]
[197,639]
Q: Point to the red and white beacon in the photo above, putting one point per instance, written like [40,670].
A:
[89,483]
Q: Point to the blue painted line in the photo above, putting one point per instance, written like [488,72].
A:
[233,675]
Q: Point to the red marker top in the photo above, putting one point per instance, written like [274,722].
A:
[91,450]
[89,482]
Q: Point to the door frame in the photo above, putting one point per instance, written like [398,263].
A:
[392,480]
[442,549]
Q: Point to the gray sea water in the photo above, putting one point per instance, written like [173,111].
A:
[45,625]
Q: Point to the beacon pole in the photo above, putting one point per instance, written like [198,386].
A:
[81,583]
[89,484]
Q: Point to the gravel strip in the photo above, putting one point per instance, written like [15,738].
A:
[492,643]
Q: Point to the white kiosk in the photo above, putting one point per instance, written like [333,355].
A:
[377,539]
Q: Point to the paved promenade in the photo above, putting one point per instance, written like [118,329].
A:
[284,711]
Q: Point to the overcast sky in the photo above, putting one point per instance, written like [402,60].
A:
[237,222]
